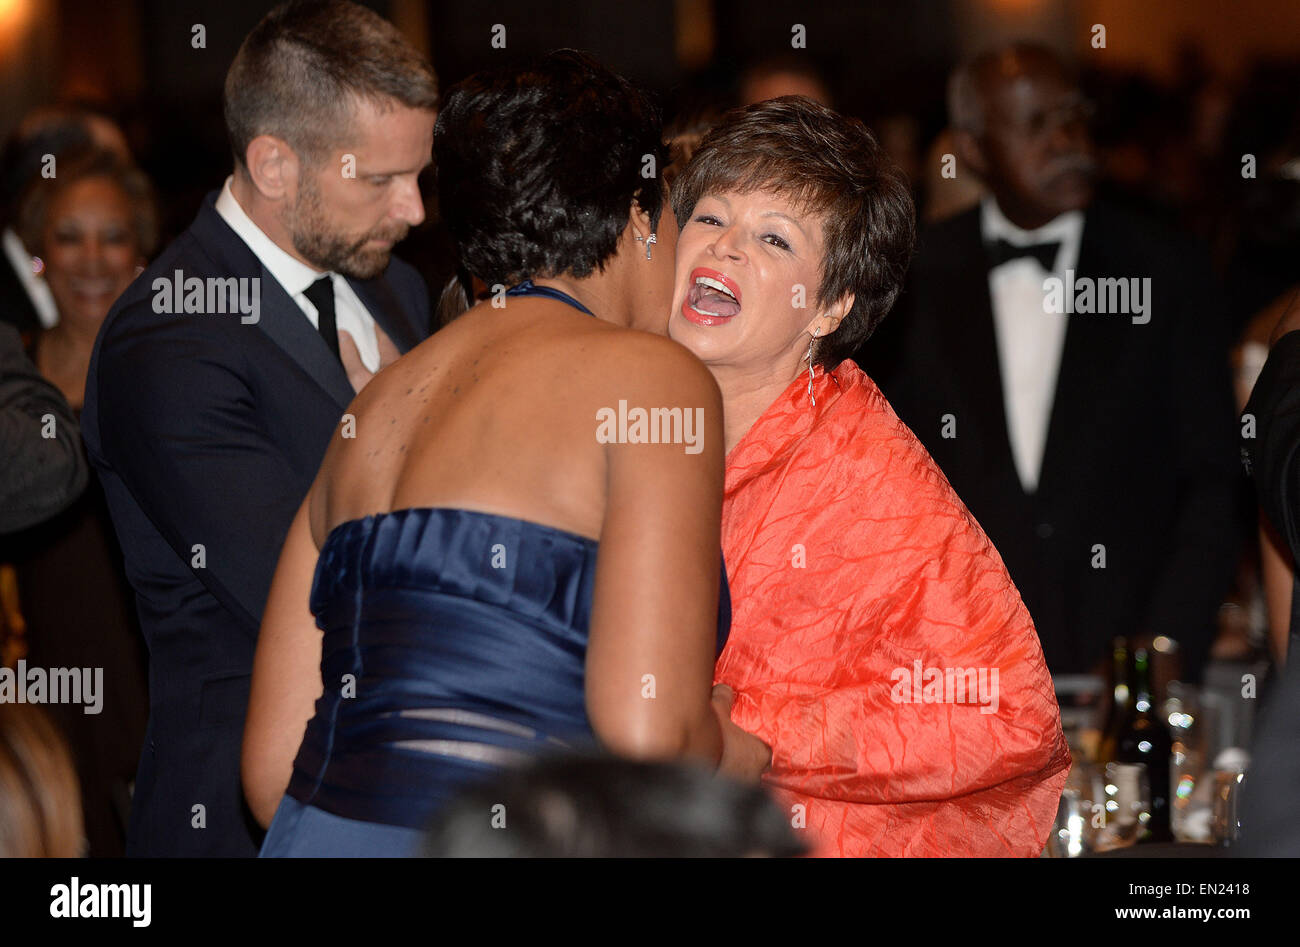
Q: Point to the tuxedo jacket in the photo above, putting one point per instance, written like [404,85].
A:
[1133,528]
[207,432]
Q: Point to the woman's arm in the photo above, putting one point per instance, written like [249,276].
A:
[653,630]
[286,674]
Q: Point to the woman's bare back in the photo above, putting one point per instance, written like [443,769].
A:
[496,412]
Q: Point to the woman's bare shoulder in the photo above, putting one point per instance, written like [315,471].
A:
[650,365]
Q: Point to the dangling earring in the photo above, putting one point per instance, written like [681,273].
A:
[648,241]
[809,357]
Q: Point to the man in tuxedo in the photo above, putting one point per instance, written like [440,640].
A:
[1065,362]
[220,376]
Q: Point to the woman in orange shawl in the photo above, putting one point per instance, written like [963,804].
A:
[878,644]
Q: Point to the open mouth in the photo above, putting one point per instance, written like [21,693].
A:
[713,297]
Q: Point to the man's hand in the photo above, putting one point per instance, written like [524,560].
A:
[744,756]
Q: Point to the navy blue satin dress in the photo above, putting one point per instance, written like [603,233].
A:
[454,645]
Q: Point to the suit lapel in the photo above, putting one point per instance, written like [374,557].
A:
[283,320]
[973,351]
[1085,358]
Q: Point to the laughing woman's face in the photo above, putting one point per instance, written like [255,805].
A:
[748,271]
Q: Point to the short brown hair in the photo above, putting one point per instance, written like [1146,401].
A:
[829,164]
[80,165]
[40,799]
[302,68]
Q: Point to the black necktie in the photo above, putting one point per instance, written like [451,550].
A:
[321,295]
[1000,251]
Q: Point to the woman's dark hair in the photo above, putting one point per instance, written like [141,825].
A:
[606,807]
[81,165]
[831,165]
[538,167]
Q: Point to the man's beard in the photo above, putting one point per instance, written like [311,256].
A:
[309,230]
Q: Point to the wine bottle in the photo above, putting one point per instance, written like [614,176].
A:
[1145,739]
[1121,703]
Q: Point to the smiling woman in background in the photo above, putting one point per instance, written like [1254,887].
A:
[92,225]
[878,644]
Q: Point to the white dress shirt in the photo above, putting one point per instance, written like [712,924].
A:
[1030,339]
[37,289]
[296,277]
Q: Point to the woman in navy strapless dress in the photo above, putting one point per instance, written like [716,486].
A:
[476,599]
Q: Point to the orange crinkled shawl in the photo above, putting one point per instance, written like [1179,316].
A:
[867,602]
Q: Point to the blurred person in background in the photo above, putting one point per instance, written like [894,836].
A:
[607,807]
[1270,826]
[856,570]
[691,121]
[32,152]
[1276,568]
[40,812]
[41,474]
[788,73]
[1096,448]
[44,468]
[94,224]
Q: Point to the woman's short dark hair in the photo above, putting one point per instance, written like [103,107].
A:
[81,165]
[538,166]
[304,67]
[831,165]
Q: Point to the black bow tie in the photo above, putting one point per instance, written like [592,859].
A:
[1000,251]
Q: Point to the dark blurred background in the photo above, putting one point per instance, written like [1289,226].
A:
[1184,87]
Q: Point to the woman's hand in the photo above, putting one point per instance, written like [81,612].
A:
[744,756]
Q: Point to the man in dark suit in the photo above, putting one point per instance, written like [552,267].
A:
[221,374]
[1065,363]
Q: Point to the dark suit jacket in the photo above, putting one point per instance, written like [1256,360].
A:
[208,432]
[1141,455]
